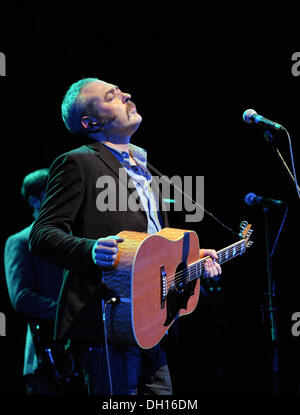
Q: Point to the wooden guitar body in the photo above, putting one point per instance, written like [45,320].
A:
[156,279]
[145,279]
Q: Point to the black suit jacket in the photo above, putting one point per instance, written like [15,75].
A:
[33,286]
[67,227]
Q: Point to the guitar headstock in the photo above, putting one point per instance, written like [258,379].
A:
[245,233]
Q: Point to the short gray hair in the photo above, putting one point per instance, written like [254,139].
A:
[72,109]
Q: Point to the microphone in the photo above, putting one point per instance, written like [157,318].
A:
[250,117]
[251,199]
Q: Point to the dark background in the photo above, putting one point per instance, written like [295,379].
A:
[191,73]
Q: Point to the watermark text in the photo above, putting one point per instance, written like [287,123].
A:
[177,194]
[296,326]
[2,324]
[296,66]
[2,64]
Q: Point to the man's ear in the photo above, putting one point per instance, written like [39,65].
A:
[90,123]
[34,202]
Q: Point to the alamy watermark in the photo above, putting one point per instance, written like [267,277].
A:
[296,326]
[296,66]
[2,64]
[178,194]
[2,324]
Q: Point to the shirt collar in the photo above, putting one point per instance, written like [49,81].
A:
[138,153]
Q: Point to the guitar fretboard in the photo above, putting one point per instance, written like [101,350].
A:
[196,269]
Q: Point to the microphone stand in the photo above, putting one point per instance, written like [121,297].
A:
[271,285]
[270,307]
[270,294]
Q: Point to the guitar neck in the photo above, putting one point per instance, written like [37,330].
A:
[196,270]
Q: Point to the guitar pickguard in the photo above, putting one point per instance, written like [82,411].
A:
[178,299]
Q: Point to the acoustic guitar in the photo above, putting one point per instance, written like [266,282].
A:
[156,279]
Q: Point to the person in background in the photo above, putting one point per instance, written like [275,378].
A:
[33,286]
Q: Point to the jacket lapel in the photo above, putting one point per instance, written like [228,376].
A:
[113,164]
[107,157]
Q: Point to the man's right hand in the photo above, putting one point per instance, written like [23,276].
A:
[105,250]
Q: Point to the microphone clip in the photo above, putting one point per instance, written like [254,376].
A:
[269,136]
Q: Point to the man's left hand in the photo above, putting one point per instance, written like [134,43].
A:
[211,267]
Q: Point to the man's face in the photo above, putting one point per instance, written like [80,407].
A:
[116,111]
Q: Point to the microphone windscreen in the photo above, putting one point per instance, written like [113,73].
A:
[249,199]
[248,114]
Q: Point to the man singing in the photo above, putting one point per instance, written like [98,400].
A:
[73,232]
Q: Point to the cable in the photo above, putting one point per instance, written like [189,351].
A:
[192,200]
[104,304]
[278,233]
[292,160]
[270,139]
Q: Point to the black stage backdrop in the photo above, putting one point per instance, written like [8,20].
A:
[191,74]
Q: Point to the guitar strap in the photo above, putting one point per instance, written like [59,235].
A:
[164,177]
[185,246]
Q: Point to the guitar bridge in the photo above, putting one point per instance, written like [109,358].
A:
[163,286]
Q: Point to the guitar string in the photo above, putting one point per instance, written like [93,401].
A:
[192,271]
[221,255]
[224,256]
[194,268]
[188,274]
[198,267]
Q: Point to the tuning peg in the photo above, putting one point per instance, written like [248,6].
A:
[243,224]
